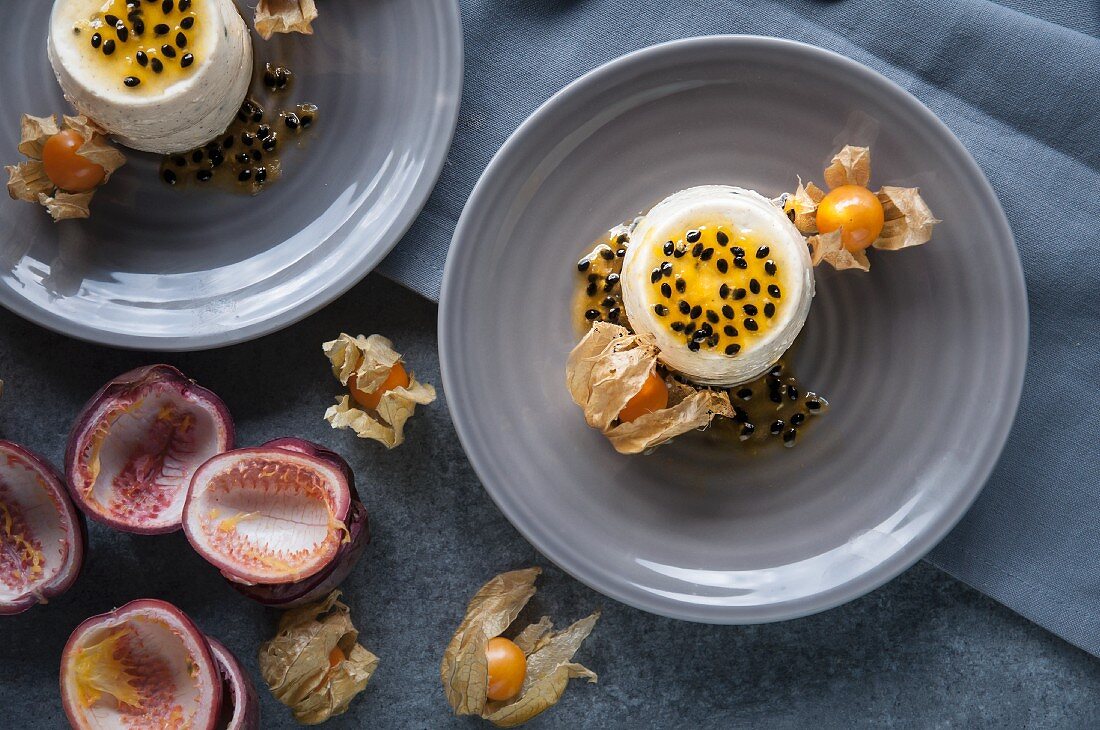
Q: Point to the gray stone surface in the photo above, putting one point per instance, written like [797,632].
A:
[923,651]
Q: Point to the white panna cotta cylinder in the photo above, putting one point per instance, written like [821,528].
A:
[741,216]
[175,110]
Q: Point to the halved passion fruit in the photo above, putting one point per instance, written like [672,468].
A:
[136,445]
[269,515]
[240,703]
[41,533]
[142,665]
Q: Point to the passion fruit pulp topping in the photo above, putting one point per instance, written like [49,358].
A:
[717,286]
[600,298]
[147,45]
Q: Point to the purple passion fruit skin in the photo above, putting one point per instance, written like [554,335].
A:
[42,536]
[142,665]
[240,703]
[268,515]
[136,444]
[290,595]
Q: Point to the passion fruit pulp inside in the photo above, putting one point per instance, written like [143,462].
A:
[146,46]
[136,673]
[139,457]
[22,562]
[270,518]
[717,286]
[105,668]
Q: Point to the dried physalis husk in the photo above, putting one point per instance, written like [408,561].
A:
[609,366]
[829,247]
[550,666]
[285,16]
[28,181]
[801,207]
[369,361]
[314,665]
[850,166]
[908,220]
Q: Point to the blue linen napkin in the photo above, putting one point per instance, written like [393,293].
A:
[1019,83]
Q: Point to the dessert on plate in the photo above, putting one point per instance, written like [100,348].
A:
[158,77]
[172,77]
[688,310]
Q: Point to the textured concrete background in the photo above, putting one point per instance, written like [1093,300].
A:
[923,651]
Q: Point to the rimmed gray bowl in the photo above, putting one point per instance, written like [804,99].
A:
[922,358]
[164,269]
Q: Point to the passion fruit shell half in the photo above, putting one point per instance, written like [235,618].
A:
[268,515]
[142,665]
[137,443]
[42,536]
[240,703]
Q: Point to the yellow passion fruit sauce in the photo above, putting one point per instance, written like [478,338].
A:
[148,45]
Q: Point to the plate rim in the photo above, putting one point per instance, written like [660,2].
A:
[882,572]
[453,62]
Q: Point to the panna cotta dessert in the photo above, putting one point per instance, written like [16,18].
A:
[721,279]
[687,313]
[159,76]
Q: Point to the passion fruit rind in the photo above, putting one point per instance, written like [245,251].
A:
[178,425]
[145,664]
[240,702]
[270,515]
[42,535]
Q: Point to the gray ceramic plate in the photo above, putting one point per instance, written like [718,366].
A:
[166,269]
[923,358]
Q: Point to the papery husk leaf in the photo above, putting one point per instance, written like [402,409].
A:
[295,663]
[829,247]
[96,147]
[530,637]
[27,180]
[541,696]
[285,16]
[549,669]
[653,429]
[464,669]
[909,221]
[33,133]
[62,206]
[394,409]
[369,360]
[608,367]
[804,202]
[850,166]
